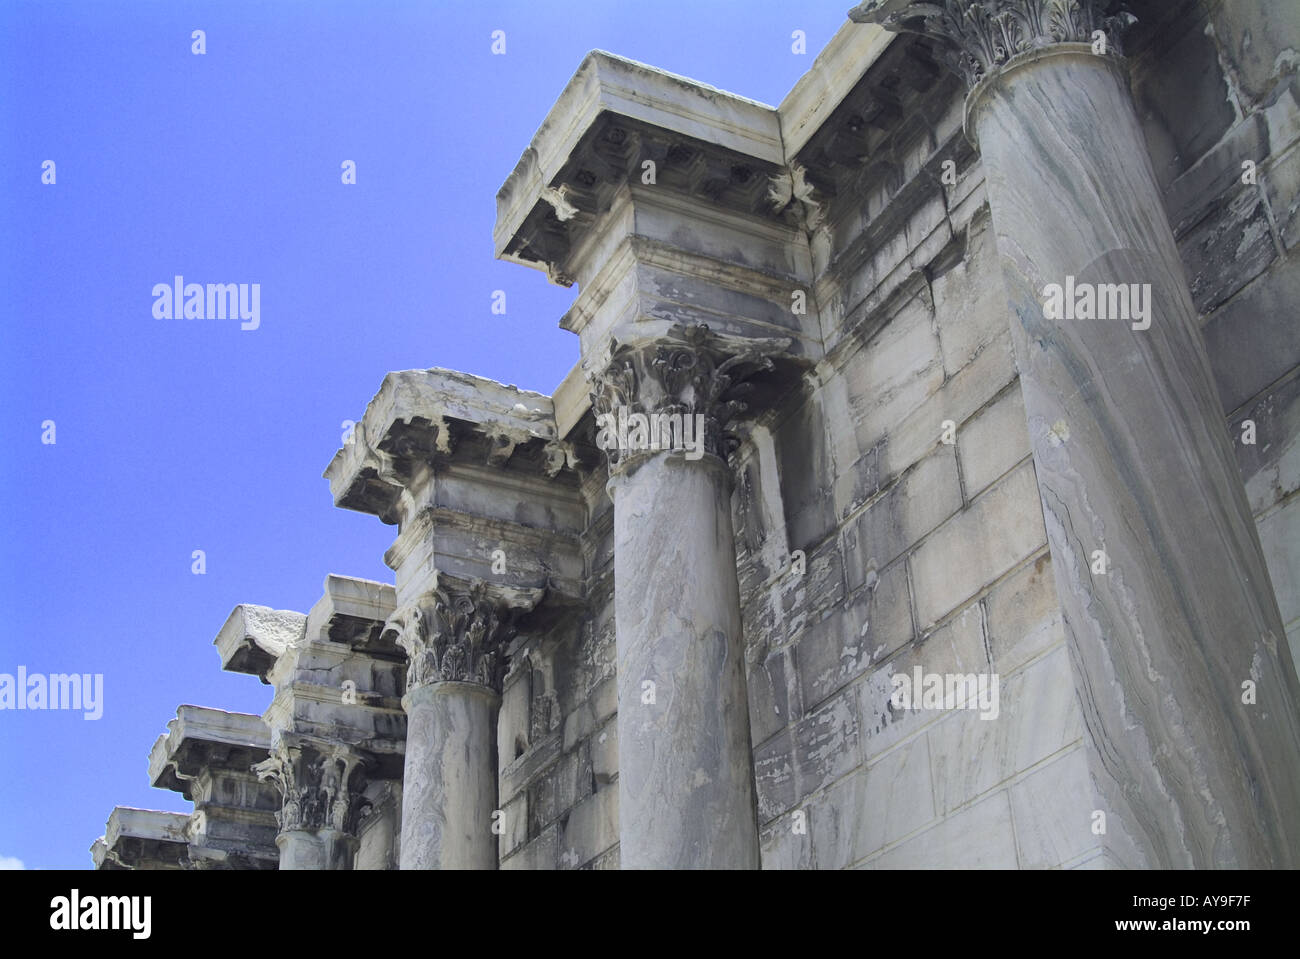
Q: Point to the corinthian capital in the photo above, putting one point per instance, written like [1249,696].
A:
[980,35]
[458,632]
[317,783]
[690,372]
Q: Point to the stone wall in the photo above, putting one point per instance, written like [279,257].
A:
[886,511]
[1217,89]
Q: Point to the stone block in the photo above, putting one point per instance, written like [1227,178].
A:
[961,397]
[540,853]
[1217,173]
[774,778]
[956,647]
[872,807]
[894,373]
[1053,809]
[514,821]
[1228,248]
[922,498]
[785,843]
[1252,339]
[993,441]
[1024,616]
[1281,184]
[1279,534]
[1038,715]
[1183,95]
[1269,466]
[779,611]
[769,700]
[839,648]
[970,303]
[591,829]
[604,754]
[1260,41]
[979,837]
[975,547]
[826,742]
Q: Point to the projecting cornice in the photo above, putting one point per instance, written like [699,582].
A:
[254,637]
[143,839]
[613,118]
[200,738]
[980,36]
[420,417]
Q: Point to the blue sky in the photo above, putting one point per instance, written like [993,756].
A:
[175,435]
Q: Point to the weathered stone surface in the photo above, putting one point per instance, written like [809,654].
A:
[1281,181]
[143,839]
[1024,615]
[1236,230]
[685,775]
[978,837]
[1052,808]
[922,498]
[996,531]
[1253,337]
[970,305]
[1037,716]
[591,829]
[992,442]
[786,844]
[839,648]
[873,806]
[1116,415]
[1261,41]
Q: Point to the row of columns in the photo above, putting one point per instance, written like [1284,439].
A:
[1132,457]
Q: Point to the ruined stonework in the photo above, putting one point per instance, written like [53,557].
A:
[944,578]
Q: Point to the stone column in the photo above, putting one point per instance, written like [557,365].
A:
[455,640]
[1167,602]
[318,783]
[686,784]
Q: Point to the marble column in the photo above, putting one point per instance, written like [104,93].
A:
[318,783]
[1181,662]
[686,789]
[455,640]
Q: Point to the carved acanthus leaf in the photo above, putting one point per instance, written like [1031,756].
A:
[690,371]
[980,35]
[455,634]
[317,785]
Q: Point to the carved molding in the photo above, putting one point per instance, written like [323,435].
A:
[459,633]
[690,371]
[791,188]
[317,783]
[980,35]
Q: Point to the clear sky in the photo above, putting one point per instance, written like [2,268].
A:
[177,435]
